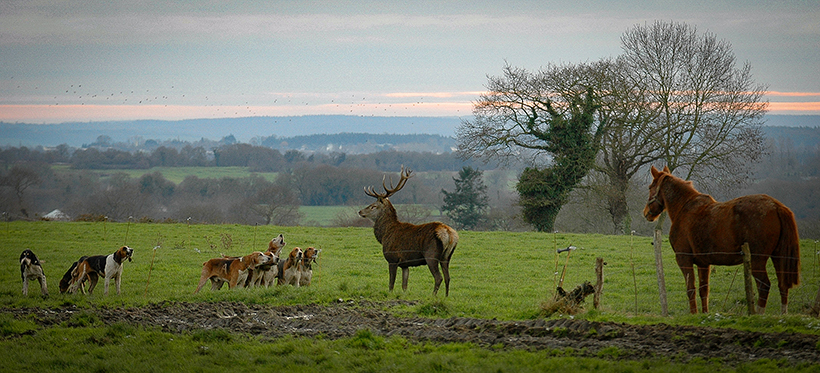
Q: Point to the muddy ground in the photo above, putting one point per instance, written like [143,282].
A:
[344,319]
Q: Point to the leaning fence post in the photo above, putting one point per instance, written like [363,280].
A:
[747,274]
[659,268]
[599,284]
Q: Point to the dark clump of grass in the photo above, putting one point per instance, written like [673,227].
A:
[83,319]
[366,340]
[436,308]
[212,335]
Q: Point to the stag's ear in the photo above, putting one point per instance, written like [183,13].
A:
[666,169]
[655,172]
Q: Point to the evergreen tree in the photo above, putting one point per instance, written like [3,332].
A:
[466,205]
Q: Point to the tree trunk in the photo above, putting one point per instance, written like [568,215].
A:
[617,205]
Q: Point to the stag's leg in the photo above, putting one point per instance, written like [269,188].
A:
[763,285]
[445,270]
[433,265]
[689,275]
[405,276]
[393,268]
[703,289]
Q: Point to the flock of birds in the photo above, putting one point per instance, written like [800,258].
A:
[224,105]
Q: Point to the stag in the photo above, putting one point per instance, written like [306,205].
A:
[406,245]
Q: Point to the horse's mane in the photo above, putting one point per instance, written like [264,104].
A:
[680,187]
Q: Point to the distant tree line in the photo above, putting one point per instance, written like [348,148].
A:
[31,186]
[256,158]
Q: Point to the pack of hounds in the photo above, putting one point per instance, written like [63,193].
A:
[253,270]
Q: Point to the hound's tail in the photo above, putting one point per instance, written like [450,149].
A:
[788,249]
[449,240]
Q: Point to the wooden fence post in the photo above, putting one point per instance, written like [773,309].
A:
[599,284]
[749,280]
[659,268]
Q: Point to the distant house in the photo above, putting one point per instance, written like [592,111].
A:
[56,215]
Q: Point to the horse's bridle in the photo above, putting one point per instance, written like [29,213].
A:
[654,198]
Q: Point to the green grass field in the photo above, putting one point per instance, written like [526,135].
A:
[494,275]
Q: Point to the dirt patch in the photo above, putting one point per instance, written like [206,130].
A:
[344,319]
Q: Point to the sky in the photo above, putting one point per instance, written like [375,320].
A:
[66,61]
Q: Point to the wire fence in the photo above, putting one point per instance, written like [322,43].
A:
[631,283]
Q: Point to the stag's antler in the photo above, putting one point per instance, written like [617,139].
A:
[405,174]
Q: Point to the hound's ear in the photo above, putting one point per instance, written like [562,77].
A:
[666,169]
[655,172]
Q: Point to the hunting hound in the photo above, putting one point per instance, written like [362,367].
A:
[233,270]
[266,275]
[30,269]
[68,279]
[107,266]
[291,268]
[310,256]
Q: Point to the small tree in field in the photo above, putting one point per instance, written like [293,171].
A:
[467,205]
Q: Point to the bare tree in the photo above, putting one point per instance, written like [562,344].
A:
[18,180]
[707,112]
[276,204]
[676,96]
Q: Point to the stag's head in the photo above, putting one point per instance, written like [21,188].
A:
[382,204]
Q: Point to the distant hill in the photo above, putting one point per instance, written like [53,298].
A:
[797,138]
[243,129]
[792,120]
[340,133]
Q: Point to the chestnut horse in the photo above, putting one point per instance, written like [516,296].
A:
[705,232]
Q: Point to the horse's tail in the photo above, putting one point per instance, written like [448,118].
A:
[788,248]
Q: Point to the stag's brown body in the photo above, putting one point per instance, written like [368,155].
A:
[406,245]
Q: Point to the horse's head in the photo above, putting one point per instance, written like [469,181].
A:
[655,206]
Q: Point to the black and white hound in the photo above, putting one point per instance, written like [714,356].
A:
[107,266]
[31,269]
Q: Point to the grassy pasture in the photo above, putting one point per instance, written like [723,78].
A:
[501,275]
[494,275]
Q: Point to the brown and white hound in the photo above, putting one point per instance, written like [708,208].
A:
[68,278]
[310,256]
[291,270]
[233,270]
[266,275]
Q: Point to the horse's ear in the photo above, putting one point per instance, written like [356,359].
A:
[666,169]
[655,172]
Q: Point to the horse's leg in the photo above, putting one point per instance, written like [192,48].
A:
[686,266]
[703,289]
[784,289]
[763,284]
[784,300]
